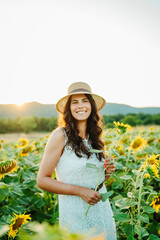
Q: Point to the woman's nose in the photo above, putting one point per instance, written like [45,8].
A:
[80,105]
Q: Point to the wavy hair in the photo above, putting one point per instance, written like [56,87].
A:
[94,130]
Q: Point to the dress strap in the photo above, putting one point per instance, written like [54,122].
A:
[66,138]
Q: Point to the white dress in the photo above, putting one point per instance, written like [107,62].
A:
[72,170]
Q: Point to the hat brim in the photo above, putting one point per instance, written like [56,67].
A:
[99,101]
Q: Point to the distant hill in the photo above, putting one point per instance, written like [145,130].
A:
[49,110]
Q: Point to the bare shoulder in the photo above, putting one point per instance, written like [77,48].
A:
[52,153]
[57,137]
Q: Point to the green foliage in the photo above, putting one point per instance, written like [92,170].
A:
[27,124]
[132,119]
[33,123]
[129,191]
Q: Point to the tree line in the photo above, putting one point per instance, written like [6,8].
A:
[32,123]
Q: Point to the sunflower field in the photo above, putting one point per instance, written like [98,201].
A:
[28,212]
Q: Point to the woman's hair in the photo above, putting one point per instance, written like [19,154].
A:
[94,130]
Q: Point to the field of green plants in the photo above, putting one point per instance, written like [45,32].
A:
[28,212]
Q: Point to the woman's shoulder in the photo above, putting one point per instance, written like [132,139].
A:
[57,136]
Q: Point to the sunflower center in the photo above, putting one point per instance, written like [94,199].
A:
[18,223]
[157,201]
[137,143]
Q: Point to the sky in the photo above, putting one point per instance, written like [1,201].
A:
[114,46]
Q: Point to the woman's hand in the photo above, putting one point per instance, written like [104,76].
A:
[89,196]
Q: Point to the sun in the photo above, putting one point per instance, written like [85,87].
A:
[19,103]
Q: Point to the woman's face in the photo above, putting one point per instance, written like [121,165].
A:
[80,107]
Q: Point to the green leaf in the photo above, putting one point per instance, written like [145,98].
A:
[127,228]
[122,217]
[153,237]
[143,231]
[125,177]
[131,238]
[117,154]
[4,190]
[15,193]
[2,184]
[34,168]
[106,195]
[91,165]
[135,172]
[3,229]
[148,209]
[118,165]
[30,183]
[117,185]
[96,151]
[125,203]
[143,218]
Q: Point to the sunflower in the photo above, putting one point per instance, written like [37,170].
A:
[120,150]
[25,151]
[110,181]
[156,203]
[3,141]
[17,222]
[151,165]
[107,141]
[124,140]
[7,167]
[152,160]
[152,170]
[22,143]
[0,145]
[122,128]
[147,175]
[137,144]
[150,140]
[141,155]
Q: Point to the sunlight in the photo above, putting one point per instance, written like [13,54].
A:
[19,104]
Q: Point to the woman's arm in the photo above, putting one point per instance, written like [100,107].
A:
[52,153]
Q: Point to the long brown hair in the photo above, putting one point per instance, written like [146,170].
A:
[94,130]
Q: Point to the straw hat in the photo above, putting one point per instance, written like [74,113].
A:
[79,88]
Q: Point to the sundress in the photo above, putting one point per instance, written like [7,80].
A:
[72,170]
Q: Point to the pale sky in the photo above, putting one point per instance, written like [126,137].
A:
[46,45]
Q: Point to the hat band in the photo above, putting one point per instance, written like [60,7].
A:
[79,90]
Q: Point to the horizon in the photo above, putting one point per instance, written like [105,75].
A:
[21,105]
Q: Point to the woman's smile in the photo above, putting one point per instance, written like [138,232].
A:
[80,107]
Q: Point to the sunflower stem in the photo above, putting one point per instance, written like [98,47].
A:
[139,202]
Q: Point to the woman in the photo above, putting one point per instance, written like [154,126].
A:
[67,151]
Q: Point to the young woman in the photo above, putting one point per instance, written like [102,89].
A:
[67,151]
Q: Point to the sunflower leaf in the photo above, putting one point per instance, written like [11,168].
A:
[96,151]
[106,195]
[91,165]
